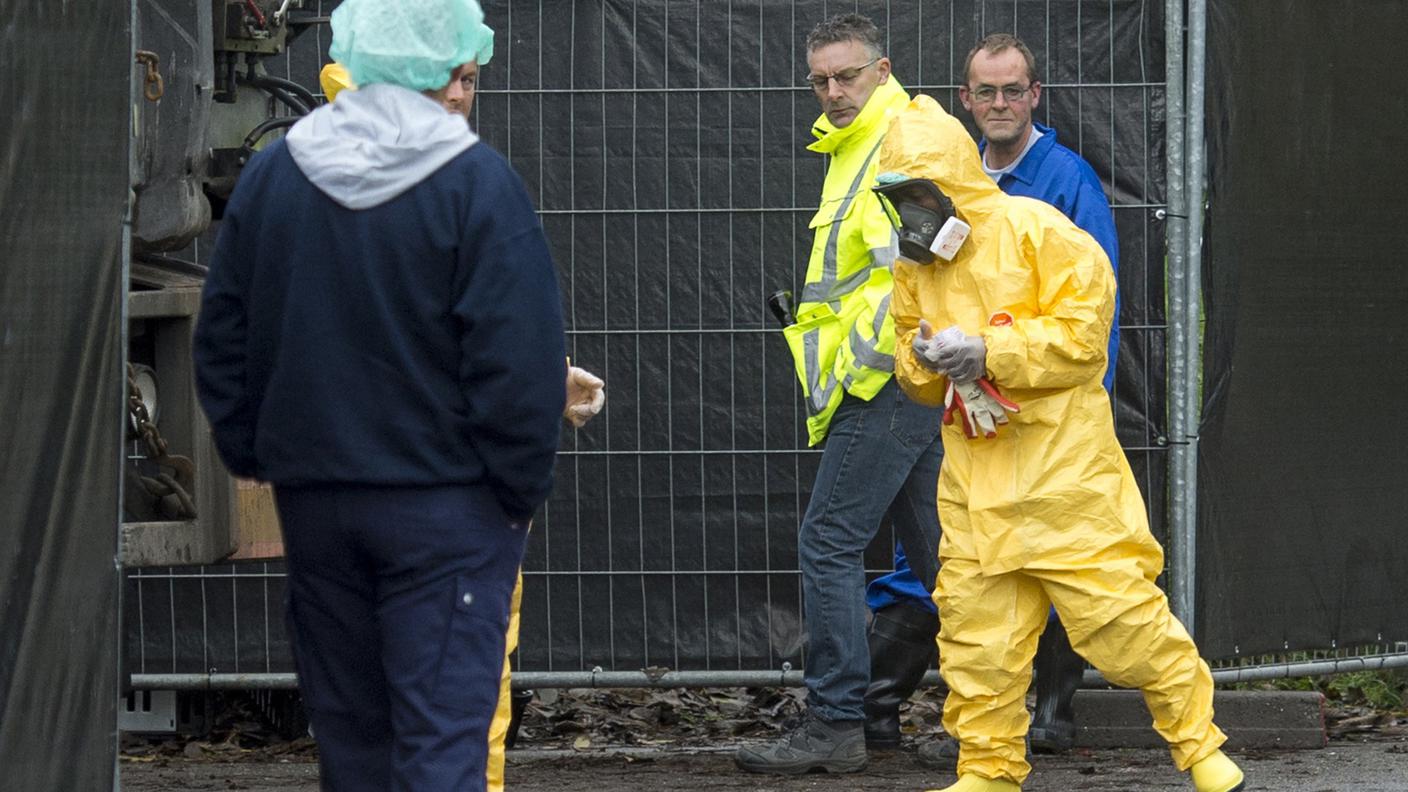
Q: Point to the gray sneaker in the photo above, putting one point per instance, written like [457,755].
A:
[816,744]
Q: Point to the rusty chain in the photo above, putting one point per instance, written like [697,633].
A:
[171,492]
[154,87]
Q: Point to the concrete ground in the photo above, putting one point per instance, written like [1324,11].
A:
[1378,765]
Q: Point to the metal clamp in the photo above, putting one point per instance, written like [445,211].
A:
[154,86]
[281,14]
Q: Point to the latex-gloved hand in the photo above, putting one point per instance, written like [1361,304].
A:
[926,345]
[586,394]
[978,404]
[962,357]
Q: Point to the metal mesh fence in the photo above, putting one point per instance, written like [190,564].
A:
[220,619]
[664,143]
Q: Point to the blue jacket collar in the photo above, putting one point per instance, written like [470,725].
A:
[1030,165]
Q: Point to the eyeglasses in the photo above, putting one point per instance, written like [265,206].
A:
[985,94]
[843,78]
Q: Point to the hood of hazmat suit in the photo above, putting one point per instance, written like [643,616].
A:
[1054,484]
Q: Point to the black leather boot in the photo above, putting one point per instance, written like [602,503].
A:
[902,648]
[518,702]
[1058,674]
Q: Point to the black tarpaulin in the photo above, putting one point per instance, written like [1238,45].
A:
[1302,496]
[65,86]
[664,143]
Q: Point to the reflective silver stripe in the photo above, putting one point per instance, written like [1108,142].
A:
[881,313]
[863,350]
[823,291]
[817,397]
[885,256]
[811,355]
[828,259]
[817,401]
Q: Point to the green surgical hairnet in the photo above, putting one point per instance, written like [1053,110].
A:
[412,43]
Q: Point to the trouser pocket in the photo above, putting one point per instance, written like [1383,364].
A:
[472,657]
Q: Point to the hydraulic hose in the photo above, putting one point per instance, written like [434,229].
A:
[265,127]
[269,82]
[289,100]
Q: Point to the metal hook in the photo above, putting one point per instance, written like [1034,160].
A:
[155,87]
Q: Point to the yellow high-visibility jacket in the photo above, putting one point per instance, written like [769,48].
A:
[844,340]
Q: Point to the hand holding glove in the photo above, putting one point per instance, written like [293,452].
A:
[962,357]
[926,345]
[586,393]
[979,405]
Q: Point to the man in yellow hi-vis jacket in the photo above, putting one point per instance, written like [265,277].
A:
[882,450]
[1037,500]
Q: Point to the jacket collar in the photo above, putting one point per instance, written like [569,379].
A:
[889,97]
[1027,169]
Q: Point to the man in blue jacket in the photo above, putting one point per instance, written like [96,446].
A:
[381,338]
[1001,90]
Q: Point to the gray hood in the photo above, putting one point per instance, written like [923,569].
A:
[375,143]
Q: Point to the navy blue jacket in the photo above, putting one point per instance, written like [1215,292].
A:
[417,342]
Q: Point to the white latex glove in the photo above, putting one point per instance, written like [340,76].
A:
[978,404]
[926,346]
[962,357]
[586,394]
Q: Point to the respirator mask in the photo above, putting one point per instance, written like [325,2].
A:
[923,218]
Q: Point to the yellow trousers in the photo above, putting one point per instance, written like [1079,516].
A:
[498,729]
[1118,620]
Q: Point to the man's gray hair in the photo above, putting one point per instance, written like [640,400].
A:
[996,44]
[846,27]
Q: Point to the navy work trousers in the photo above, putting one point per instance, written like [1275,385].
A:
[398,602]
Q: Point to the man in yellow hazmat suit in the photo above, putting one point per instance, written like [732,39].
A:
[1038,503]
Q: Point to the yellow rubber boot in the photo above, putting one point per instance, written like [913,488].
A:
[973,783]
[1217,773]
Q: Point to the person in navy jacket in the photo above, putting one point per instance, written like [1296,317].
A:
[381,338]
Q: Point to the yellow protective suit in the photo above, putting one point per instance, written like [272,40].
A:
[334,79]
[1048,512]
[503,713]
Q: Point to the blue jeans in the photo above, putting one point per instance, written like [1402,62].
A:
[398,601]
[881,457]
